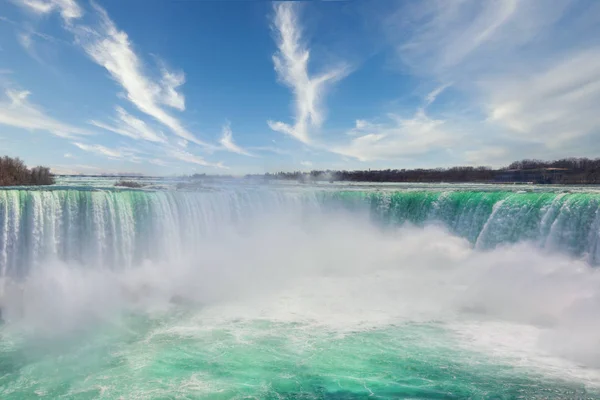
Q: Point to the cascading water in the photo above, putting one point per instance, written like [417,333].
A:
[299,293]
[567,222]
[119,229]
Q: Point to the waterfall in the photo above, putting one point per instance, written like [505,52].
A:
[567,222]
[118,229]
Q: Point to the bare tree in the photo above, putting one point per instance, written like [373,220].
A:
[14,172]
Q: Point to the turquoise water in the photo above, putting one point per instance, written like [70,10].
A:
[300,293]
[175,356]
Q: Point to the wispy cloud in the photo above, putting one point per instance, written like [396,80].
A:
[17,111]
[26,40]
[399,138]
[513,62]
[158,156]
[433,95]
[102,150]
[553,106]
[35,43]
[127,125]
[150,93]
[169,83]
[291,65]
[68,9]
[228,143]
[185,156]
[123,153]
[26,35]
[110,48]
[29,30]
[438,36]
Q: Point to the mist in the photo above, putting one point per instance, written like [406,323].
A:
[331,271]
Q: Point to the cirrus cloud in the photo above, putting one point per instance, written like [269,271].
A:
[127,125]
[17,111]
[229,144]
[291,66]
[111,48]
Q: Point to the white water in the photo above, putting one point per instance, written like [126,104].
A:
[122,229]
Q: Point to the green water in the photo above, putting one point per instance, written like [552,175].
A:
[182,356]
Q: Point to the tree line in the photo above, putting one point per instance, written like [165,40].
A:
[563,171]
[14,172]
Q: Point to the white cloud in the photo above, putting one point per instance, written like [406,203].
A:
[228,143]
[432,96]
[156,157]
[38,6]
[438,36]
[169,83]
[528,72]
[128,154]
[399,138]
[128,125]
[553,106]
[306,163]
[110,48]
[185,156]
[18,112]
[291,65]
[102,150]
[69,9]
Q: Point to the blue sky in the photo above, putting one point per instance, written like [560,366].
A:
[175,87]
